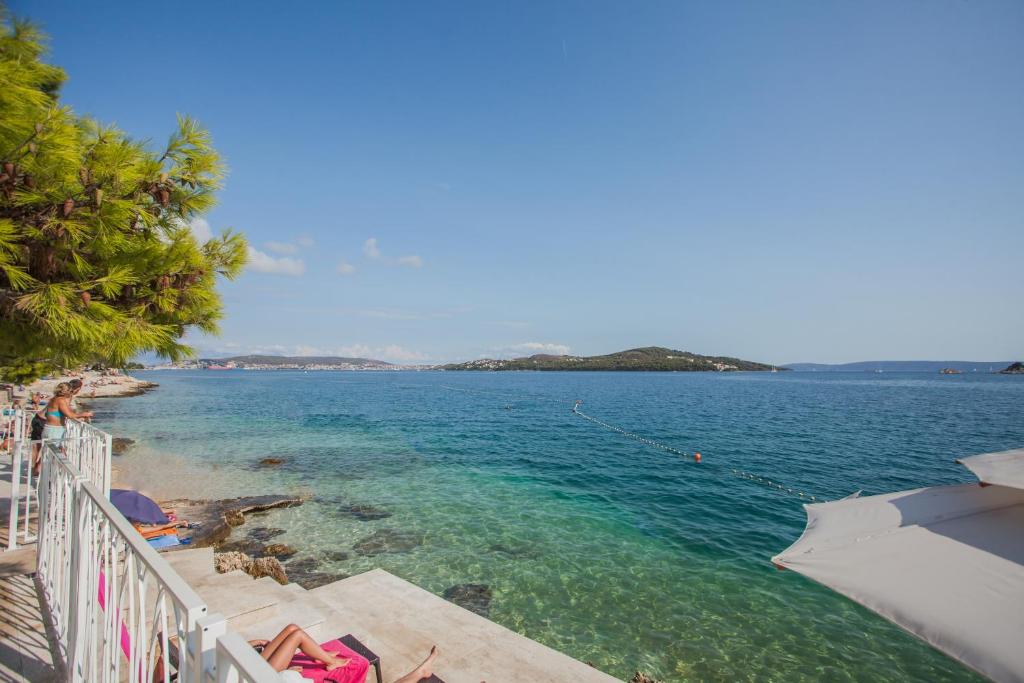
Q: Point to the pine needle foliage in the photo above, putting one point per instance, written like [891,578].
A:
[97,262]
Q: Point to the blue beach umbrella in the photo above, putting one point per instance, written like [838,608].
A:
[137,507]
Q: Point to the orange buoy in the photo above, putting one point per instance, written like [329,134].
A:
[696,457]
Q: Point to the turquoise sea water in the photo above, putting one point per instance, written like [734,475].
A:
[597,545]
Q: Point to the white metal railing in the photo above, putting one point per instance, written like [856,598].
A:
[89,448]
[118,611]
[58,488]
[237,662]
[13,426]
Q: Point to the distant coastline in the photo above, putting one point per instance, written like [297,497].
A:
[933,366]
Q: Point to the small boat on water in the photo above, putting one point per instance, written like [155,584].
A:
[950,371]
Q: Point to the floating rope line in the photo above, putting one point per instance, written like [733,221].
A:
[750,476]
[694,457]
[636,437]
[507,396]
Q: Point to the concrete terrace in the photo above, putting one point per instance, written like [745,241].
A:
[394,618]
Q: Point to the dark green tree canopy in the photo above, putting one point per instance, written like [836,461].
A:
[97,261]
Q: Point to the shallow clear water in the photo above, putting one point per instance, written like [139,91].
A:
[600,546]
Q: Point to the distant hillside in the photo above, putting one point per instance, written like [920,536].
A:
[650,358]
[902,366]
[300,360]
[1013,369]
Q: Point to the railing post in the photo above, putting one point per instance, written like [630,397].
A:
[80,596]
[108,452]
[12,529]
[211,627]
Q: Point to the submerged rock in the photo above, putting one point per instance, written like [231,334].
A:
[271,462]
[364,513]
[476,597]
[516,551]
[388,541]
[282,551]
[306,572]
[302,566]
[119,444]
[316,579]
[241,545]
[641,677]
[336,555]
[264,533]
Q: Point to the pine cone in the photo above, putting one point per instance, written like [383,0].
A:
[9,168]
[86,298]
[29,181]
[32,147]
[163,282]
[165,197]
[69,205]
[98,197]
[163,177]
[39,128]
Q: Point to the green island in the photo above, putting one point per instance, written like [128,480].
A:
[648,358]
[1013,369]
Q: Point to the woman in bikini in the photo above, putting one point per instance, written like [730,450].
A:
[279,652]
[57,410]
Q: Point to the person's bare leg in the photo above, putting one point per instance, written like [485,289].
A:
[272,646]
[424,670]
[295,638]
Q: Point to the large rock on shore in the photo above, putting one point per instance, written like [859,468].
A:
[257,568]
[217,517]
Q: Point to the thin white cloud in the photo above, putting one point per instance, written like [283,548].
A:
[539,347]
[304,241]
[200,228]
[412,261]
[345,268]
[281,247]
[371,249]
[261,262]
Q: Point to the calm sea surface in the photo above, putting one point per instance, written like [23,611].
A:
[600,546]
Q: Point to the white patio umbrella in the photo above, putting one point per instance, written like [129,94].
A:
[945,563]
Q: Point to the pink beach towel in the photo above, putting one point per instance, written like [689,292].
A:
[353,672]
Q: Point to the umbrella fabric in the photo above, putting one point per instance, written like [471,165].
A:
[945,563]
[137,507]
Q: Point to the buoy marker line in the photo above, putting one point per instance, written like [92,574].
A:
[695,457]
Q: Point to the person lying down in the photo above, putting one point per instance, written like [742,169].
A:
[280,652]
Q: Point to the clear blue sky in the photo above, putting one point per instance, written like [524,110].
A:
[781,181]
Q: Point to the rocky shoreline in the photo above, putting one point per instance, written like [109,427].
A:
[97,385]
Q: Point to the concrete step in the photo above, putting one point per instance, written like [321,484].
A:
[191,564]
[268,622]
